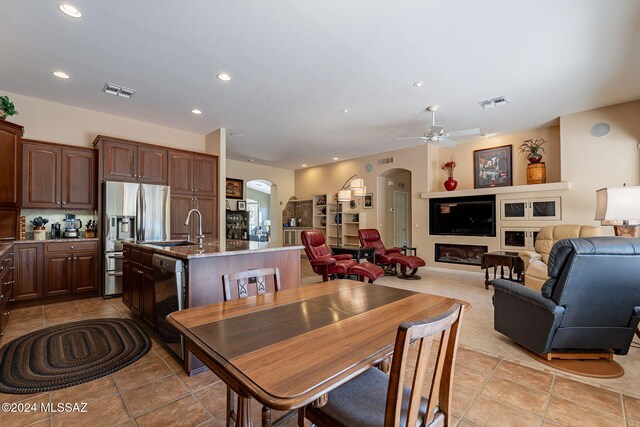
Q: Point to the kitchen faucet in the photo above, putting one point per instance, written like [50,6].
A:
[200,236]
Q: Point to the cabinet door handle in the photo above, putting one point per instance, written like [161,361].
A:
[64,203]
[72,247]
[69,258]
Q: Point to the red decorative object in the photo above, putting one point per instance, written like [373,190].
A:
[450,184]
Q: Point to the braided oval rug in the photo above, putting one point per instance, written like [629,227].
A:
[70,354]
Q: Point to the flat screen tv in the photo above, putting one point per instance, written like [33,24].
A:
[463,216]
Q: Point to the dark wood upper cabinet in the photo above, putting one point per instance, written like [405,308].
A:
[10,179]
[180,206]
[205,175]
[41,177]
[120,162]
[152,165]
[180,172]
[208,206]
[79,179]
[132,162]
[10,136]
[56,176]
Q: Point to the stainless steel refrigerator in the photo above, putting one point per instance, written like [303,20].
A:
[132,213]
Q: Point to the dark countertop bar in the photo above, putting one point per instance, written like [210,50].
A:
[214,248]
[64,240]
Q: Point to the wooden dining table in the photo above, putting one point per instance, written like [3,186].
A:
[289,348]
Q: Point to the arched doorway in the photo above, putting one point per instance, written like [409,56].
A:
[394,206]
[259,198]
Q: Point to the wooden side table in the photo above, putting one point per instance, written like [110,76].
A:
[357,253]
[407,250]
[501,259]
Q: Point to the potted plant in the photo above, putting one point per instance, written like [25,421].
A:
[532,148]
[6,107]
[450,184]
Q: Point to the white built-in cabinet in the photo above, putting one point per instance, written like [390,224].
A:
[540,209]
[518,238]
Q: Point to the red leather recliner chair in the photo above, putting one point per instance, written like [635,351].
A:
[326,264]
[323,262]
[389,258]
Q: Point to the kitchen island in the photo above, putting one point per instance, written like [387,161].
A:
[204,266]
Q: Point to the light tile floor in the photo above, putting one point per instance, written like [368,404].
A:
[489,388]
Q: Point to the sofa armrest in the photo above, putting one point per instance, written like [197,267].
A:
[529,256]
[517,290]
[342,257]
[324,261]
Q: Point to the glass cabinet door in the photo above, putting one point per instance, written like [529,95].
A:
[548,209]
[513,210]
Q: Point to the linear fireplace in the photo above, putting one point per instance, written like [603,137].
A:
[459,254]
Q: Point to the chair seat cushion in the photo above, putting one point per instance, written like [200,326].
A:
[391,258]
[411,262]
[361,401]
[368,270]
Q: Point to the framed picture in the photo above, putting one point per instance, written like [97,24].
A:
[242,205]
[234,188]
[368,201]
[492,167]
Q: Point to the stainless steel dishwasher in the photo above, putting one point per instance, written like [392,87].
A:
[170,296]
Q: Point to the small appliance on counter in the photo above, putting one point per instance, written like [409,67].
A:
[56,233]
[72,226]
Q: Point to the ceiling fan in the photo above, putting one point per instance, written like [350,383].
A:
[437,134]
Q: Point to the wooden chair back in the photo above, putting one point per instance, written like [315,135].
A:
[422,334]
[252,282]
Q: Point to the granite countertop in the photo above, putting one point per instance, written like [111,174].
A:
[213,247]
[76,239]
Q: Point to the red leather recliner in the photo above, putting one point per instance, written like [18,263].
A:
[323,262]
[389,258]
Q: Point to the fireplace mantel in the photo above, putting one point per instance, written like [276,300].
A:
[514,189]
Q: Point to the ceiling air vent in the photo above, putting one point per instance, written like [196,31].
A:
[113,89]
[494,102]
[385,161]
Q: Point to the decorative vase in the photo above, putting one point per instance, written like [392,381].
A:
[536,173]
[534,158]
[450,184]
[39,233]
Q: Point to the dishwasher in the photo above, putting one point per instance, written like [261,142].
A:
[169,277]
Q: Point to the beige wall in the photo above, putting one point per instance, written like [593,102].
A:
[64,124]
[464,158]
[591,163]
[281,190]
[328,179]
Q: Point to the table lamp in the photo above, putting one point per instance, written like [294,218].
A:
[620,207]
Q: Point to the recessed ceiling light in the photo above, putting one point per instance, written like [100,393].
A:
[196,111]
[346,110]
[224,77]
[235,134]
[304,166]
[418,84]
[70,10]
[251,160]
[61,74]
[487,135]
[336,158]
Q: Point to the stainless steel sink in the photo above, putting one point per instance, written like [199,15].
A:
[172,243]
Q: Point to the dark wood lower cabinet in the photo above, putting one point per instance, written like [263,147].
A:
[28,263]
[84,272]
[138,285]
[57,273]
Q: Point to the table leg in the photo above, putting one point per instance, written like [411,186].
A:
[486,277]
[510,271]
[266,417]
[243,415]
[502,271]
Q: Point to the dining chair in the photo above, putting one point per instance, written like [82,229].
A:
[374,398]
[243,280]
[249,283]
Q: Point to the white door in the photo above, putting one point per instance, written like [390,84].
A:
[400,217]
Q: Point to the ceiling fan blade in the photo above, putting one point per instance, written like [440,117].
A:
[465,132]
[424,138]
[448,142]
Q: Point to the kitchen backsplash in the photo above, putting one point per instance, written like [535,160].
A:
[56,215]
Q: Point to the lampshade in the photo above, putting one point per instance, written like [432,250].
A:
[618,204]
[266,222]
[344,195]
[360,192]
[356,183]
